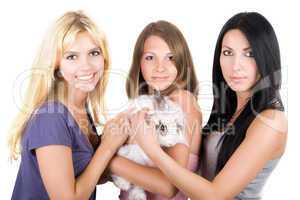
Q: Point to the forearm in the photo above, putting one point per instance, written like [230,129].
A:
[149,178]
[87,181]
[105,177]
[191,184]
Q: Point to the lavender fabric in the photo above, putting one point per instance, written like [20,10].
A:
[51,124]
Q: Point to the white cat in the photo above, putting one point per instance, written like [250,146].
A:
[169,121]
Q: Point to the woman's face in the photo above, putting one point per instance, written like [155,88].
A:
[157,64]
[82,63]
[237,62]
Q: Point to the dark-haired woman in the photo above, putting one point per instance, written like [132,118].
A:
[246,133]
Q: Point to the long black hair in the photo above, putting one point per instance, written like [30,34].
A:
[265,93]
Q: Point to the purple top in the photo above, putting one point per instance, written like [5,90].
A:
[51,124]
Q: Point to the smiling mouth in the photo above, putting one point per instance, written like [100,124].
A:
[86,77]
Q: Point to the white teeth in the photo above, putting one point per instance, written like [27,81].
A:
[85,78]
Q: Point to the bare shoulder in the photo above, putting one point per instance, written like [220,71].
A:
[178,94]
[270,126]
[187,101]
[271,119]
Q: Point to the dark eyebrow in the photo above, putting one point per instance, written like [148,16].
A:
[247,48]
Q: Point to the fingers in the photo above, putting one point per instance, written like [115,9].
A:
[140,115]
[141,122]
[124,125]
[128,124]
[125,113]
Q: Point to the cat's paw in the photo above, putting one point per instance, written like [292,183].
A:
[121,182]
[137,193]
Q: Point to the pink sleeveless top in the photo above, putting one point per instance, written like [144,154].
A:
[192,166]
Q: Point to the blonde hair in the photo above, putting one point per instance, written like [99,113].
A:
[45,85]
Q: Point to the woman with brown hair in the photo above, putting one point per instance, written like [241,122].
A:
[162,62]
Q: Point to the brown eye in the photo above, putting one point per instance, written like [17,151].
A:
[94,53]
[71,57]
[227,53]
[249,54]
[149,58]
[171,57]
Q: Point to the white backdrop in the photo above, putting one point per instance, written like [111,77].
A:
[24,23]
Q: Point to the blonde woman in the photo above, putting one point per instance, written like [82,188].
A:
[55,131]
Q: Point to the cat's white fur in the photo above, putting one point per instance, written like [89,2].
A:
[169,120]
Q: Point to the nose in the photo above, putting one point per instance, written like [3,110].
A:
[84,63]
[159,66]
[236,65]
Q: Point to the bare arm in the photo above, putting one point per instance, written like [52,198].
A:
[152,179]
[265,140]
[190,107]
[56,167]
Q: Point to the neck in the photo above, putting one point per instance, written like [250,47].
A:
[77,100]
[242,99]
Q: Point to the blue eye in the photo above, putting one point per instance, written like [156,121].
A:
[94,53]
[227,53]
[71,57]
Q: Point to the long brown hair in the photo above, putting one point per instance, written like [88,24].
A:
[186,77]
